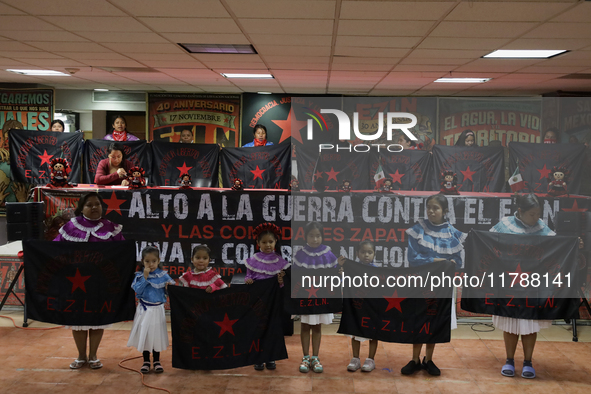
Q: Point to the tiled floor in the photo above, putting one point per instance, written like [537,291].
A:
[37,362]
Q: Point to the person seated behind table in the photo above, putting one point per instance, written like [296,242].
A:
[58,125]
[467,138]
[186,136]
[120,131]
[260,137]
[113,170]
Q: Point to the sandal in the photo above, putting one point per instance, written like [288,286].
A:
[508,370]
[528,372]
[305,365]
[315,364]
[158,367]
[95,364]
[77,364]
[145,368]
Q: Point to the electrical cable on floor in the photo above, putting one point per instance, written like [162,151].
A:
[29,328]
[487,325]
[138,371]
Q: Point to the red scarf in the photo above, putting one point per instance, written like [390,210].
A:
[549,140]
[120,135]
[260,143]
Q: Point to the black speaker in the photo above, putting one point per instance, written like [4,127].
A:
[24,220]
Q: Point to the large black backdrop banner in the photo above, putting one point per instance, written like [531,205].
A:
[263,167]
[490,255]
[408,170]
[79,284]
[477,169]
[306,163]
[32,151]
[536,162]
[228,328]
[171,159]
[136,152]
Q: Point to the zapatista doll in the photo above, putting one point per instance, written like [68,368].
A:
[185,181]
[136,179]
[294,185]
[59,173]
[387,185]
[449,183]
[237,184]
[557,181]
[345,186]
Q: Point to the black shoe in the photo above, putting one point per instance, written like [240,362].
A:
[431,368]
[411,368]
[259,367]
[271,365]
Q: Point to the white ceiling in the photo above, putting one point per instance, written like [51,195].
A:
[320,46]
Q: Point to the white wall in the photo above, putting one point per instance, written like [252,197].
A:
[81,100]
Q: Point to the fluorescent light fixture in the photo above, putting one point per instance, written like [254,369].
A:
[101,90]
[253,76]
[264,93]
[219,48]
[463,80]
[525,53]
[39,72]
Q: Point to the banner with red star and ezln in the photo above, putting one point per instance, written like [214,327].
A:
[79,284]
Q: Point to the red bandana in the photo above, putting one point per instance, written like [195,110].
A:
[119,135]
[260,143]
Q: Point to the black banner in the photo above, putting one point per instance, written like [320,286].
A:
[395,318]
[524,276]
[334,168]
[228,328]
[310,300]
[264,167]
[79,284]
[408,170]
[306,163]
[138,153]
[477,169]
[171,159]
[31,153]
[537,160]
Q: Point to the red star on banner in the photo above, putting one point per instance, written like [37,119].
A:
[394,302]
[332,174]
[517,271]
[312,292]
[317,175]
[468,174]
[575,208]
[113,203]
[184,169]
[544,172]
[78,281]
[45,158]
[396,177]
[286,127]
[226,325]
[258,173]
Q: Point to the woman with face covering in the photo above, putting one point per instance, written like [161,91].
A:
[114,169]
[260,137]
[120,131]
[550,136]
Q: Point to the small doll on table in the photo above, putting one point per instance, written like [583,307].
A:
[59,173]
[387,185]
[237,184]
[449,183]
[557,181]
[294,185]
[185,181]
[345,186]
[136,179]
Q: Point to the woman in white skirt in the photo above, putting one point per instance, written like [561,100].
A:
[149,332]
[525,221]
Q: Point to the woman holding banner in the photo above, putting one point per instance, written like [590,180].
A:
[260,137]
[120,131]
[89,226]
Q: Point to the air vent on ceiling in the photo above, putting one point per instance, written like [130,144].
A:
[129,69]
[576,76]
[118,97]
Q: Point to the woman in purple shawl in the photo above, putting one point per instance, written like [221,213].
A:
[89,226]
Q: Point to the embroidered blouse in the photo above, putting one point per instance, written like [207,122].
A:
[153,289]
[428,241]
[81,229]
[201,280]
[315,258]
[264,265]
